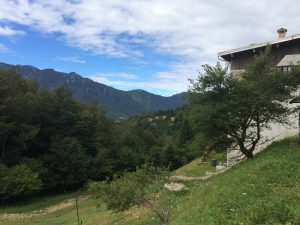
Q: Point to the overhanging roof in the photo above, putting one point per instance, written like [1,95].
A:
[295,100]
[290,60]
[259,45]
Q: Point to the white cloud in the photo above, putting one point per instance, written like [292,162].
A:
[186,28]
[129,85]
[7,31]
[3,49]
[174,80]
[123,75]
[193,30]
[74,59]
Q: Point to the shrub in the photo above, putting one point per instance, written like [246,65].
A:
[143,187]
[18,181]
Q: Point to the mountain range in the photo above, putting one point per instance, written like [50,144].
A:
[116,103]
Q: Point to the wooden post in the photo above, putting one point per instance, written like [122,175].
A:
[299,125]
[77,211]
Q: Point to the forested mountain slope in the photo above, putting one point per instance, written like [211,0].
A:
[115,102]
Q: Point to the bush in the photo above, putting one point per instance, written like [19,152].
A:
[143,187]
[18,181]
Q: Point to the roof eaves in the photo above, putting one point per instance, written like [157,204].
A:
[295,100]
[258,45]
[290,60]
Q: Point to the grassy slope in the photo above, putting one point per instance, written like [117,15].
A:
[90,211]
[265,190]
[195,169]
[37,203]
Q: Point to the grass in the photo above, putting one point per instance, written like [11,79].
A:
[90,212]
[37,203]
[264,190]
[194,168]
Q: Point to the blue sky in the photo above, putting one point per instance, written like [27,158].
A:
[155,45]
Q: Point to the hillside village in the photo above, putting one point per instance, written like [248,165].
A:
[172,119]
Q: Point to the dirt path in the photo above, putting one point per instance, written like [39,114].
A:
[62,205]
[185,178]
[71,202]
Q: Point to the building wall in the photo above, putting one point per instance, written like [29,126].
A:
[275,133]
[239,61]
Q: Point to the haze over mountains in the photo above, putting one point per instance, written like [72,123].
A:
[116,103]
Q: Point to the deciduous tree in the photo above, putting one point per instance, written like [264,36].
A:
[231,111]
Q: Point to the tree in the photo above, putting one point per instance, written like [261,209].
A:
[67,163]
[144,187]
[16,105]
[232,111]
[64,141]
[173,157]
[18,181]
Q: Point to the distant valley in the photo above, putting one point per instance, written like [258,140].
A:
[116,103]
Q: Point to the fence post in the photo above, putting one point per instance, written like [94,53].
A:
[77,211]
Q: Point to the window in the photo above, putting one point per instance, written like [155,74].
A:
[286,69]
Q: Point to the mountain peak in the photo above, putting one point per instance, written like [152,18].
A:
[74,74]
[115,102]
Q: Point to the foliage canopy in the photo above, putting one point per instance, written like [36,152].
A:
[63,143]
[144,187]
[231,111]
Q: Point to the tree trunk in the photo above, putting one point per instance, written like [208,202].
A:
[249,155]
[162,218]
[246,152]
